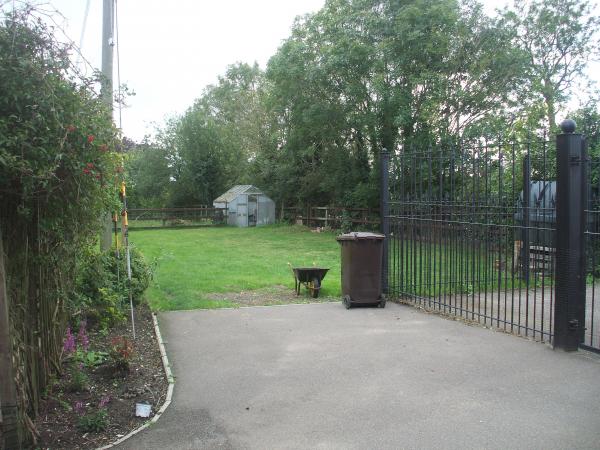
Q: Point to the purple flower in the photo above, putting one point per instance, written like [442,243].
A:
[69,344]
[104,401]
[79,408]
[82,337]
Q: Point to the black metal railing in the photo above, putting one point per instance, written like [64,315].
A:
[468,237]
[506,234]
[592,244]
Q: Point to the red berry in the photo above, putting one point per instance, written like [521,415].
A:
[90,165]
[90,138]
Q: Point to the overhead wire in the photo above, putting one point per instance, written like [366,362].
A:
[83,28]
[119,94]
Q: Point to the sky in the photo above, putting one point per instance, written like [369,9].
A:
[169,51]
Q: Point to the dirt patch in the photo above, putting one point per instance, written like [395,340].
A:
[273,295]
[61,410]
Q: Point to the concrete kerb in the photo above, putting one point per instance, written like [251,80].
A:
[170,379]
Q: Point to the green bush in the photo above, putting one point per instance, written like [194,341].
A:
[102,293]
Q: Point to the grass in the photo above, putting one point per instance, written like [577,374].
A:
[193,263]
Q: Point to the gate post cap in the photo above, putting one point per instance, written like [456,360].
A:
[568,126]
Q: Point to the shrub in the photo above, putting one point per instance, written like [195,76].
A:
[102,293]
[121,352]
[78,381]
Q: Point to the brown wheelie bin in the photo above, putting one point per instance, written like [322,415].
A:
[362,255]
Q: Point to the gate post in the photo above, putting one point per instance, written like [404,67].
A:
[569,305]
[384,209]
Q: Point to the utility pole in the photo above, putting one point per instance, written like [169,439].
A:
[108,20]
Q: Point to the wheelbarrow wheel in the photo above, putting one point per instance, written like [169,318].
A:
[315,287]
[347,301]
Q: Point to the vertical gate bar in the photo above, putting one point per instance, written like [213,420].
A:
[585,198]
[384,214]
[525,230]
[596,229]
[486,231]
[590,262]
[569,307]
[504,243]
[411,200]
[451,199]
[500,231]
[547,243]
[431,243]
[443,265]
[473,231]
[462,226]
[420,224]
[479,227]
[513,262]
[437,170]
[405,219]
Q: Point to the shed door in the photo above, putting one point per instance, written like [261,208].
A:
[252,210]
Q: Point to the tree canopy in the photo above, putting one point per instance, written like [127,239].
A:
[362,75]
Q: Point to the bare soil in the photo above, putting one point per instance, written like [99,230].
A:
[273,295]
[145,382]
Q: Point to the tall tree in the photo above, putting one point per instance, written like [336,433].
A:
[559,37]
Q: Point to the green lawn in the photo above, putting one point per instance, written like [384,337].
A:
[192,264]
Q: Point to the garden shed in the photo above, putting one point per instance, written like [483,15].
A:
[247,206]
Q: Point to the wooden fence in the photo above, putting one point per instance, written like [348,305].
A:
[176,217]
[336,217]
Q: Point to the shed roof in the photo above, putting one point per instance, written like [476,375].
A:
[237,190]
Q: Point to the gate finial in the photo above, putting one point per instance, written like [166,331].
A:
[568,126]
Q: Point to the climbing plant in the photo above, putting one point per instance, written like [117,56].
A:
[58,172]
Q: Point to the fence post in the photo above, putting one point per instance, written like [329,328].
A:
[10,437]
[384,196]
[569,306]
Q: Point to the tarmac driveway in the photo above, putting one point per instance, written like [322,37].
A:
[320,377]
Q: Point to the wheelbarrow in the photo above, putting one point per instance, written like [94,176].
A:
[310,277]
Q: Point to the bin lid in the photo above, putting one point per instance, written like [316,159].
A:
[361,235]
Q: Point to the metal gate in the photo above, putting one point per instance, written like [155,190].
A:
[592,234]
[472,232]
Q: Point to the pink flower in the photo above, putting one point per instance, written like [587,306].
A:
[69,344]
[104,401]
[79,408]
